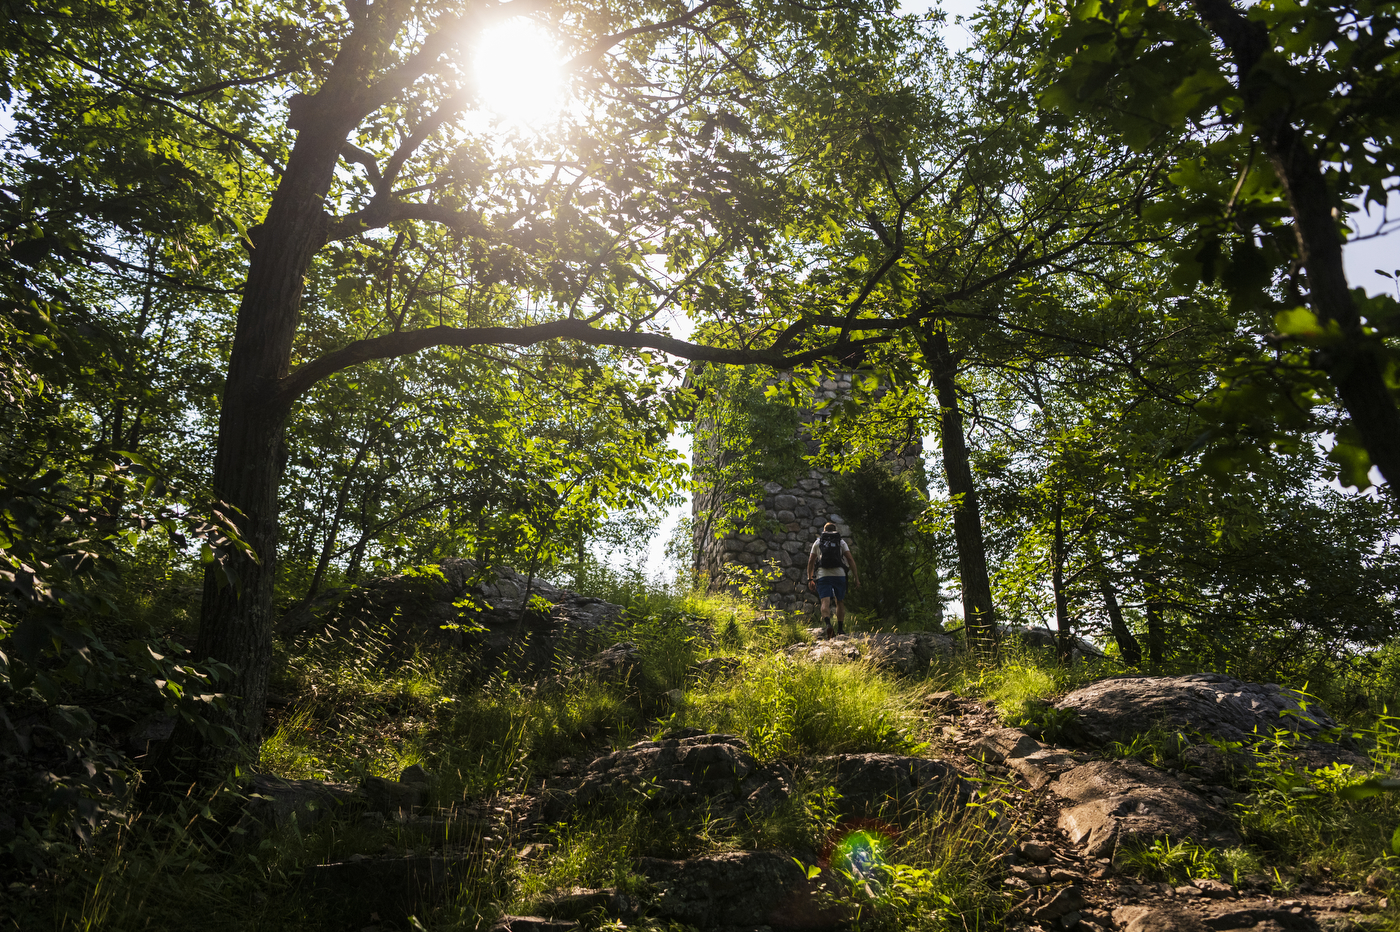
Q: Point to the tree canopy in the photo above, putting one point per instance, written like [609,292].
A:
[281,303]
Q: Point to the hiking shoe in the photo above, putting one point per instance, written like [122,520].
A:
[829,632]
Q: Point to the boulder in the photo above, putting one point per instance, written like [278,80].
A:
[904,654]
[1212,704]
[392,797]
[682,773]
[578,903]
[274,802]
[1063,902]
[1032,761]
[1107,803]
[895,786]
[908,654]
[714,668]
[616,664]
[741,888]
[1046,639]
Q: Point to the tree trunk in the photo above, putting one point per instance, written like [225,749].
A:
[333,533]
[1128,646]
[1156,638]
[1356,364]
[1063,643]
[236,620]
[967,515]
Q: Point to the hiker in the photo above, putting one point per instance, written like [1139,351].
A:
[826,575]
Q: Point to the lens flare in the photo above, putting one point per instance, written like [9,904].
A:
[861,855]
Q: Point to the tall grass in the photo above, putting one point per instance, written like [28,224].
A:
[786,708]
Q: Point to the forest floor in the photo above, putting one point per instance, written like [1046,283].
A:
[718,768]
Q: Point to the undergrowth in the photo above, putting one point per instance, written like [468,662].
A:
[352,710]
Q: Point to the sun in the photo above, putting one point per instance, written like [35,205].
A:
[519,72]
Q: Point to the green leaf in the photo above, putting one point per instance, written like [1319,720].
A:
[1298,322]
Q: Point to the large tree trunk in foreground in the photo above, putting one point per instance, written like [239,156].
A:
[967,515]
[236,620]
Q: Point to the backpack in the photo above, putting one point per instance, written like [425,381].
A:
[831,551]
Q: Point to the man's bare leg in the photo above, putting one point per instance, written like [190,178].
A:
[841,617]
[826,614]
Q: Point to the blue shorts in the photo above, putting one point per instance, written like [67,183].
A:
[831,587]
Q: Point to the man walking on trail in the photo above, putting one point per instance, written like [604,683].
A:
[826,575]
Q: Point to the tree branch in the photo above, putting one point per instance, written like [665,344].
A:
[393,345]
[379,214]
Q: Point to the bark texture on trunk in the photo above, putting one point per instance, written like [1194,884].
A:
[967,516]
[1156,637]
[236,621]
[1355,364]
[1128,645]
[1064,644]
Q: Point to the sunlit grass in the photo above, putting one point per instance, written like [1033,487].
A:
[786,708]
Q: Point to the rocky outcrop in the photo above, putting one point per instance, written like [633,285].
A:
[743,889]
[1064,868]
[615,664]
[533,924]
[274,802]
[1218,919]
[495,613]
[903,654]
[1212,704]
[1105,804]
[1036,764]
[715,771]
[895,787]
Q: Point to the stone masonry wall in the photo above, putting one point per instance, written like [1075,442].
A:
[800,512]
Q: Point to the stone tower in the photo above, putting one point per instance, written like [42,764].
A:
[800,511]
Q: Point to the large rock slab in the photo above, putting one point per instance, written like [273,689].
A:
[1218,919]
[533,924]
[1207,703]
[274,802]
[894,786]
[1108,803]
[904,654]
[681,773]
[741,888]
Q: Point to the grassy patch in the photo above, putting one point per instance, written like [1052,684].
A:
[1312,821]
[941,873]
[787,708]
[1181,861]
